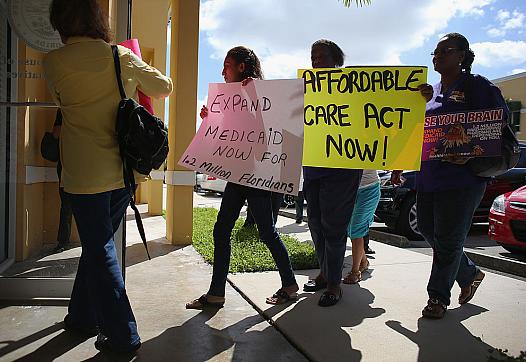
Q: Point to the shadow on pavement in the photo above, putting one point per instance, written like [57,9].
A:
[136,253]
[447,339]
[52,349]
[328,327]
[196,340]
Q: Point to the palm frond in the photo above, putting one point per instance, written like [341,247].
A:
[347,3]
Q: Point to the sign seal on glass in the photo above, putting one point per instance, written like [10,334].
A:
[30,21]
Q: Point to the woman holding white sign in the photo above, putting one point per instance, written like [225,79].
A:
[448,192]
[242,65]
[330,194]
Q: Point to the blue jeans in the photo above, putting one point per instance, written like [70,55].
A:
[330,203]
[277,200]
[444,219]
[99,297]
[260,204]
[64,228]
[299,201]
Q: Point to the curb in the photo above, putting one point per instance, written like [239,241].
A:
[488,261]
[498,263]
[290,214]
[390,239]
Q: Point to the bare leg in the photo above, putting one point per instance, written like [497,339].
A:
[357,254]
[357,262]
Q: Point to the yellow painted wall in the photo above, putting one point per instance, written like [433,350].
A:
[515,89]
[151,30]
[149,24]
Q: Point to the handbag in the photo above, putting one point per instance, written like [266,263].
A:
[497,165]
[510,151]
[49,148]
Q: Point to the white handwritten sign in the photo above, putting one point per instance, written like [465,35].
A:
[253,135]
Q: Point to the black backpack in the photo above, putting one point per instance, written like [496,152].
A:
[143,142]
[143,137]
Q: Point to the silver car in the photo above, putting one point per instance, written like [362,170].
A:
[209,183]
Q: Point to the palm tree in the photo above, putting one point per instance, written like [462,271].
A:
[358,2]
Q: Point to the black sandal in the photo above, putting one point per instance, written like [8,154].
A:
[202,303]
[281,297]
[328,299]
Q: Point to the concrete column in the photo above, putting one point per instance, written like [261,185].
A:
[183,103]
[155,194]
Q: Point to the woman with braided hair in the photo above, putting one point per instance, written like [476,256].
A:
[242,65]
[447,191]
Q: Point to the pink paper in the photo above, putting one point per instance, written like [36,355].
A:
[133,45]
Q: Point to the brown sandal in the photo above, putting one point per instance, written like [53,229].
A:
[282,297]
[365,266]
[202,303]
[353,277]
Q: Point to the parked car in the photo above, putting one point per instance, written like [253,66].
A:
[199,177]
[397,206]
[507,220]
[209,183]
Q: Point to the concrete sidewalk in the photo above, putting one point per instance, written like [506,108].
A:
[377,320]
[158,290]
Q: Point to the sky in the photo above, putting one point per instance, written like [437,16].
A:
[387,32]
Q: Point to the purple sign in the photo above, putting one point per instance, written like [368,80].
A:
[466,134]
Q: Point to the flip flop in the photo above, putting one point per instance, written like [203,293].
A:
[202,303]
[472,288]
[282,297]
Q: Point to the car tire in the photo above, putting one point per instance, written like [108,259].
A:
[406,224]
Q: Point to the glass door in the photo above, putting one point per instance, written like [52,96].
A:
[30,268]
[4,138]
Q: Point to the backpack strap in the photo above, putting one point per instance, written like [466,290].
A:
[117,63]
[129,178]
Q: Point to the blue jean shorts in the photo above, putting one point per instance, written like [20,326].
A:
[367,200]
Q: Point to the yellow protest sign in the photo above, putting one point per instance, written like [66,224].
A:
[363,117]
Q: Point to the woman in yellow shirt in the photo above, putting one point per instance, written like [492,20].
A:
[81,78]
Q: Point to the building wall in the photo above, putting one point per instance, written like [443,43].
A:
[151,31]
[514,87]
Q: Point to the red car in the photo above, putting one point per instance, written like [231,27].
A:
[507,220]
